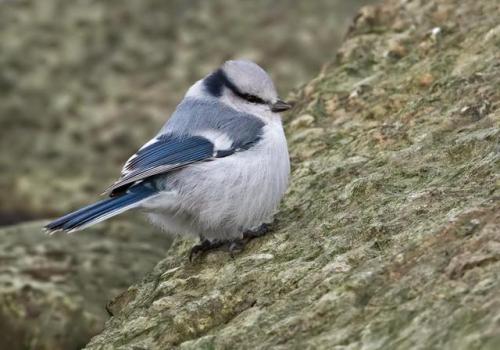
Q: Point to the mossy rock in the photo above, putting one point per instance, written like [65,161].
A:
[388,237]
[54,289]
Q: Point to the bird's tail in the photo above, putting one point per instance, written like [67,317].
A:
[101,211]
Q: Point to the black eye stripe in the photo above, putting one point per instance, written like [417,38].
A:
[218,79]
[252,98]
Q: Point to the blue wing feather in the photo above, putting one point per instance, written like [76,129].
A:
[176,146]
[167,153]
[98,211]
[171,150]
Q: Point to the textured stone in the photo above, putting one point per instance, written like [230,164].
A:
[388,237]
[54,289]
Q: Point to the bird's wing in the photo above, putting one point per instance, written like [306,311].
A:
[199,130]
[167,152]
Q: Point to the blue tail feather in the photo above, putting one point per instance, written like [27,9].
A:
[101,210]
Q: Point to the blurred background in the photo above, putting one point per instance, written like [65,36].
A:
[85,83]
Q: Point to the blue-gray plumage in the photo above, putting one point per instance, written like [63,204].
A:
[166,153]
[195,114]
[217,169]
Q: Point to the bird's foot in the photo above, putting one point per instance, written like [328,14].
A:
[258,232]
[233,246]
[204,246]
[237,245]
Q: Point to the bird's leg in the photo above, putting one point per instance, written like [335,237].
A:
[233,246]
[258,232]
[205,245]
[237,245]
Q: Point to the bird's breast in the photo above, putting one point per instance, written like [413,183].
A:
[242,190]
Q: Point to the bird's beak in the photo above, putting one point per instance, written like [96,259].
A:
[280,106]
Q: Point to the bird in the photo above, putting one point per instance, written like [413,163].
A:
[217,169]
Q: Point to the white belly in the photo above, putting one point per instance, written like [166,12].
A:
[221,199]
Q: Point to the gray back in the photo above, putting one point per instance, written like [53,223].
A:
[194,115]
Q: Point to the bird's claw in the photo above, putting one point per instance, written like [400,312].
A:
[233,246]
[258,232]
[236,247]
[204,246]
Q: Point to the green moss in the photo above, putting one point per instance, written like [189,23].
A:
[54,289]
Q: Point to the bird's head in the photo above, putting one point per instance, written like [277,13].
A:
[246,86]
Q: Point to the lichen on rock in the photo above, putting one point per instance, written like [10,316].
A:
[389,234]
[54,290]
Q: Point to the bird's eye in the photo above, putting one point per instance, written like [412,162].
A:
[253,99]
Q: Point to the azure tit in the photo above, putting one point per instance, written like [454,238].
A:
[216,170]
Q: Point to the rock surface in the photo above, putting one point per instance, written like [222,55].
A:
[389,234]
[54,289]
